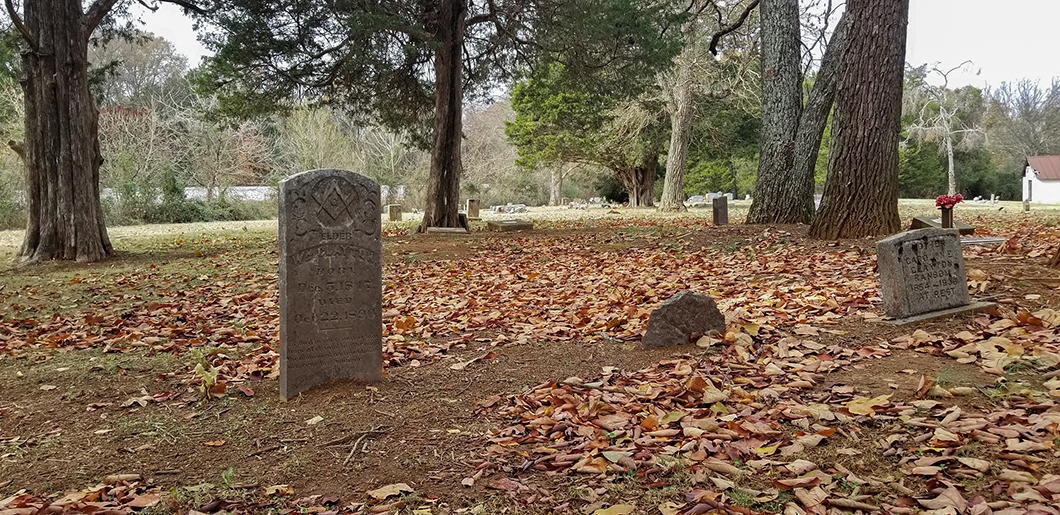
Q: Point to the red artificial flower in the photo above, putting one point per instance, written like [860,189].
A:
[948,201]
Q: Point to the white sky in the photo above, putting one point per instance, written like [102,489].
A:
[170,23]
[1006,41]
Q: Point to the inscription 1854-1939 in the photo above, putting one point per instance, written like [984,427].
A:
[330,280]
[920,272]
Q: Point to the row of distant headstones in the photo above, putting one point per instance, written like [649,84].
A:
[330,277]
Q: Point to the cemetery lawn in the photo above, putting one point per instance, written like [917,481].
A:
[515,381]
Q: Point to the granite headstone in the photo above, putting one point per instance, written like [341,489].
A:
[509,225]
[330,278]
[472,209]
[925,222]
[921,271]
[721,210]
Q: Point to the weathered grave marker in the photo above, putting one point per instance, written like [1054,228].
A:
[921,275]
[509,225]
[925,222]
[472,209]
[677,319]
[394,210]
[330,280]
[721,210]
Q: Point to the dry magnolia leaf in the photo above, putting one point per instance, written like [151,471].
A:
[390,490]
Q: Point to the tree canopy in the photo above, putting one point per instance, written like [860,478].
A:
[409,64]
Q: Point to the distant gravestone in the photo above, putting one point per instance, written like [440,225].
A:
[721,210]
[677,319]
[394,210]
[330,280]
[447,230]
[925,222]
[921,275]
[509,225]
[472,209]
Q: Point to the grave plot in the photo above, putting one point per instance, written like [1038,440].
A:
[514,379]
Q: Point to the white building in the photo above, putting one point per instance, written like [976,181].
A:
[1041,179]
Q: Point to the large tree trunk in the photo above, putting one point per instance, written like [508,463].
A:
[639,182]
[861,191]
[815,116]
[62,155]
[778,197]
[680,107]
[443,184]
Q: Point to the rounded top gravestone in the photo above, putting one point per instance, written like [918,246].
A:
[330,280]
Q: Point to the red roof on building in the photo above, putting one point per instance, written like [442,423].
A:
[1048,167]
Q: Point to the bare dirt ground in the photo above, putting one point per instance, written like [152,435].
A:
[515,382]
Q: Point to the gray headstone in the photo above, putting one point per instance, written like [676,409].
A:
[447,230]
[509,225]
[472,209]
[921,271]
[721,210]
[330,280]
[394,210]
[925,222]
[677,319]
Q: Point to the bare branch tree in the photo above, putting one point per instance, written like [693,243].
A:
[942,114]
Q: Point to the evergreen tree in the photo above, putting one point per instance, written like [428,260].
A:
[409,64]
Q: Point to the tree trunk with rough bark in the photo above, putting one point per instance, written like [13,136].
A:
[777,192]
[861,192]
[443,184]
[62,155]
[815,117]
[639,182]
[680,108]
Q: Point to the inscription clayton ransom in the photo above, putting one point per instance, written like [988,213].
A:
[921,271]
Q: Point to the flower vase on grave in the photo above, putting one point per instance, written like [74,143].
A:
[947,218]
[946,204]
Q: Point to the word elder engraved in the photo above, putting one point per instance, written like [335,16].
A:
[330,280]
